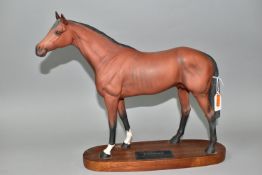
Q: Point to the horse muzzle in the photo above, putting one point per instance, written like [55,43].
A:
[41,52]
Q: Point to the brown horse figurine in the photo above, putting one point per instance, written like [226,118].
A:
[122,71]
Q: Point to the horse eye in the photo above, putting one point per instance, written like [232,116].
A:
[58,33]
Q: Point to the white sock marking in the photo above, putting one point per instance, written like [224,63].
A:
[128,137]
[108,149]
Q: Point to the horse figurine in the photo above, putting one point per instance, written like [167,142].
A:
[122,71]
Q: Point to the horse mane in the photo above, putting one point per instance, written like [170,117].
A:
[102,33]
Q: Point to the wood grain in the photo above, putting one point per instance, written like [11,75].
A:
[188,153]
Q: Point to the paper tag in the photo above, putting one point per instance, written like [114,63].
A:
[217,102]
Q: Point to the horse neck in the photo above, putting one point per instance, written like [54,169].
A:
[96,48]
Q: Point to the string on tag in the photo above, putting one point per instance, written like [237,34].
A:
[217,97]
[218,82]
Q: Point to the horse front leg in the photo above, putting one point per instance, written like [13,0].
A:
[123,116]
[111,103]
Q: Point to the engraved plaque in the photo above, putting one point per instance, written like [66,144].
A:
[153,154]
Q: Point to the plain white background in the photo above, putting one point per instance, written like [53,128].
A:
[50,112]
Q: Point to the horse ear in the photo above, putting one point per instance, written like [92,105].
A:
[64,20]
[57,15]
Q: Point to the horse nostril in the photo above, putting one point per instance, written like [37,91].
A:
[41,52]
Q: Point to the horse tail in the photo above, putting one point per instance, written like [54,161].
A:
[213,87]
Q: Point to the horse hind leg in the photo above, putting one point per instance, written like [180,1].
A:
[211,116]
[123,117]
[185,110]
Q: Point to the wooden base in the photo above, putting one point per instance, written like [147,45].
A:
[188,153]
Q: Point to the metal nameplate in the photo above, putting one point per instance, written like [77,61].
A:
[153,154]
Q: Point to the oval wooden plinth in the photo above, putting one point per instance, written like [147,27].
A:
[188,153]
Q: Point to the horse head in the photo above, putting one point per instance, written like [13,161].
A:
[58,36]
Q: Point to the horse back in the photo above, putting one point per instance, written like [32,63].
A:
[153,72]
[137,73]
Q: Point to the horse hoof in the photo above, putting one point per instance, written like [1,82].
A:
[125,146]
[104,155]
[210,150]
[174,140]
